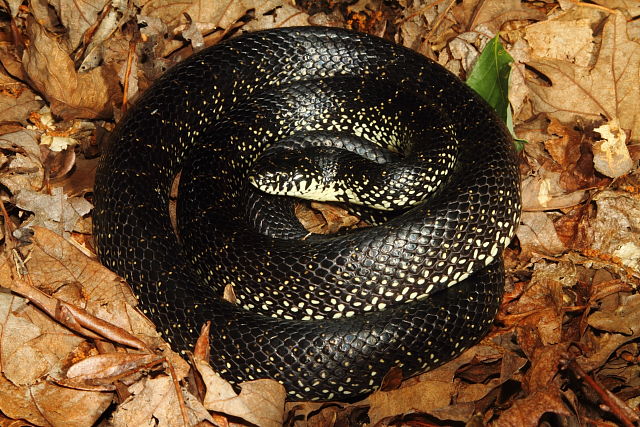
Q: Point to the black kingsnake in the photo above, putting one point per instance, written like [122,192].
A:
[211,116]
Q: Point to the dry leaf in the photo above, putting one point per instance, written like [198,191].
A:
[31,345]
[417,30]
[56,212]
[610,155]
[71,94]
[60,269]
[77,17]
[422,397]
[154,402]
[275,14]
[493,13]
[563,40]
[614,231]
[261,402]
[544,192]
[436,392]
[17,101]
[609,88]
[25,170]
[527,412]
[538,235]
[540,305]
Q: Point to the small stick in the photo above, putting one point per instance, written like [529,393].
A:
[610,401]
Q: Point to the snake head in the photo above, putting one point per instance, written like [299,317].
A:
[307,173]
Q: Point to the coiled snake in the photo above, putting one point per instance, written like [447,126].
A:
[327,316]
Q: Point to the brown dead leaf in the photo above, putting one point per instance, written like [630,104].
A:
[527,411]
[563,39]
[31,345]
[541,305]
[561,172]
[70,94]
[26,333]
[261,402]
[321,414]
[57,212]
[608,89]
[81,180]
[572,227]
[324,218]
[610,154]
[493,14]
[573,157]
[623,325]
[223,15]
[421,397]
[153,401]
[545,364]
[614,230]
[334,415]
[537,234]
[68,407]
[545,192]
[77,17]
[275,14]
[424,26]
[104,367]
[55,264]
[436,392]
[17,101]
[24,169]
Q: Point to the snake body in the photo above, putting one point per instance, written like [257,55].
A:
[326,316]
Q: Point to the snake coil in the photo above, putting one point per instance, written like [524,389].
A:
[326,316]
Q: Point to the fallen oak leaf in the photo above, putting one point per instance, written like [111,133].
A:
[31,347]
[153,401]
[265,397]
[87,323]
[75,318]
[261,402]
[100,372]
[436,392]
[54,264]
[110,367]
[527,412]
[608,89]
[621,325]
[71,94]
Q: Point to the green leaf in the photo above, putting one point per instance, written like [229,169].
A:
[490,78]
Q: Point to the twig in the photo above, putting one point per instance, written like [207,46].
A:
[610,401]
[176,385]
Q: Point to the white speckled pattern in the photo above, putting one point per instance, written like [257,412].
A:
[329,315]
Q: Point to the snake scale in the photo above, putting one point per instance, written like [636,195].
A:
[326,316]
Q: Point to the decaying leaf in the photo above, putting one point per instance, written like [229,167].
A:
[261,402]
[611,156]
[71,94]
[17,101]
[154,400]
[608,88]
[23,169]
[55,212]
[614,229]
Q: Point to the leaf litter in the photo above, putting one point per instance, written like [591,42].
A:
[564,348]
